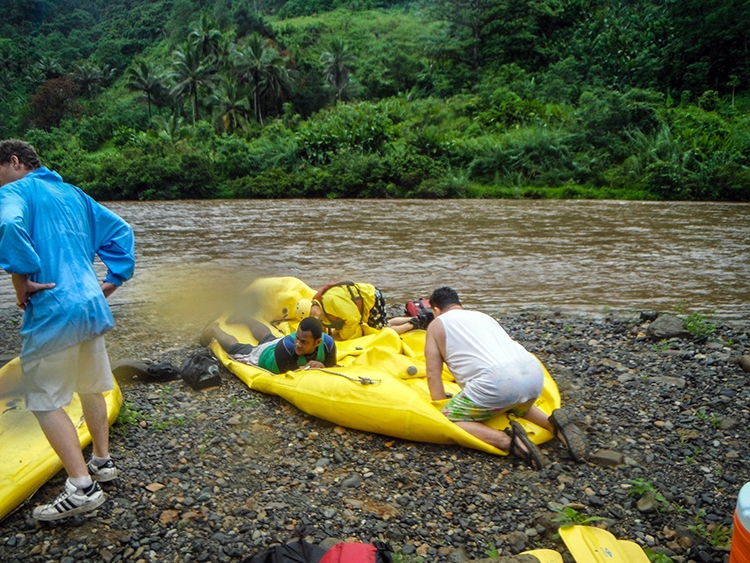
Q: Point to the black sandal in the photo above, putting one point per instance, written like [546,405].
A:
[531,455]
[570,435]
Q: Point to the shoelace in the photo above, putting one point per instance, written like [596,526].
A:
[62,496]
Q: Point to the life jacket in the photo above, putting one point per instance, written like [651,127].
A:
[332,321]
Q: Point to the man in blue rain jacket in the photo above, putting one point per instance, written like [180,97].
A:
[50,233]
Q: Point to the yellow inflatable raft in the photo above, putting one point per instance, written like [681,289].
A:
[380,387]
[27,461]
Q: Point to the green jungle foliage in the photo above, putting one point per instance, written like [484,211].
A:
[167,99]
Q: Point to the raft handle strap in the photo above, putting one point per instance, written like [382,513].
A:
[359,379]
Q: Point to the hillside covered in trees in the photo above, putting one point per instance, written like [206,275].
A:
[164,99]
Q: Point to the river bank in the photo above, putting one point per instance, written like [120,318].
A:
[222,474]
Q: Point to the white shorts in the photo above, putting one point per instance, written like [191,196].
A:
[49,381]
[502,387]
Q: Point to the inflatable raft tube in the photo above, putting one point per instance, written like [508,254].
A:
[381,387]
[27,461]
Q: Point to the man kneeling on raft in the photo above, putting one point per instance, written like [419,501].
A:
[306,348]
[496,375]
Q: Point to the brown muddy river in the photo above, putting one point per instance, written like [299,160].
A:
[501,255]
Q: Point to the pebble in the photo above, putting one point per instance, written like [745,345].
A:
[242,471]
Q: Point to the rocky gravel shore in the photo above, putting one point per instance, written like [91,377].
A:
[225,473]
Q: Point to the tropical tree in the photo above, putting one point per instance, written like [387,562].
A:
[49,67]
[230,103]
[34,77]
[469,21]
[51,101]
[170,128]
[259,65]
[277,82]
[146,78]
[205,35]
[89,77]
[224,49]
[708,44]
[191,73]
[337,63]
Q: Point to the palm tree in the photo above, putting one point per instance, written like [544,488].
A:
[224,48]
[205,35]
[146,78]
[276,83]
[89,78]
[170,128]
[259,65]
[108,74]
[231,104]
[337,63]
[249,66]
[34,77]
[191,72]
[49,67]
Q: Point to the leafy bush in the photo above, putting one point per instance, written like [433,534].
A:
[94,131]
[359,128]
[709,100]
[524,156]
[359,175]
[605,116]
[274,183]
[668,180]
[147,173]
[447,186]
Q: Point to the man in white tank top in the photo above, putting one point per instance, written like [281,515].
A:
[496,374]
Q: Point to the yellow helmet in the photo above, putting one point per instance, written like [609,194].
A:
[303,308]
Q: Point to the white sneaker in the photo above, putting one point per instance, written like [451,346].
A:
[104,473]
[70,502]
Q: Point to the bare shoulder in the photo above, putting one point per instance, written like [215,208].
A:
[436,330]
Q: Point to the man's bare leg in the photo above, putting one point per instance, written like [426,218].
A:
[213,331]
[62,436]
[95,414]
[489,435]
[538,417]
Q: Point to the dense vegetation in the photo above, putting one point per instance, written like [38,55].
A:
[160,99]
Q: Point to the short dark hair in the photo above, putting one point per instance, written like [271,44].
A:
[24,152]
[313,325]
[444,296]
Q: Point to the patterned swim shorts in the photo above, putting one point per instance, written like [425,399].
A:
[462,409]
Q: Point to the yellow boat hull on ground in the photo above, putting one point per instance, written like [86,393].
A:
[27,461]
[380,387]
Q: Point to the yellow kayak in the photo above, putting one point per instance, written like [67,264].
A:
[380,387]
[27,461]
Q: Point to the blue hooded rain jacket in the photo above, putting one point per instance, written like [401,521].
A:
[51,231]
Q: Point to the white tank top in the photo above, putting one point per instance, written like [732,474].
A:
[493,369]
